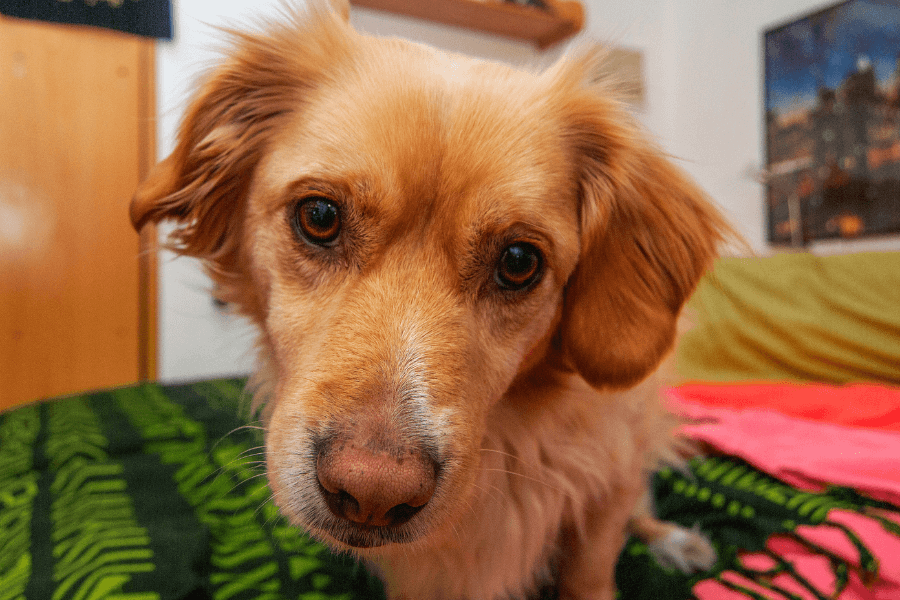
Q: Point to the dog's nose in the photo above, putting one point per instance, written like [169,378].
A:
[378,489]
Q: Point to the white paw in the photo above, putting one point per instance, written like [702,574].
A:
[687,550]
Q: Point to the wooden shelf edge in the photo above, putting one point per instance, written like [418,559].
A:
[543,28]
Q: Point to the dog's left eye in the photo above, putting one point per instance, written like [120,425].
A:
[519,266]
[317,220]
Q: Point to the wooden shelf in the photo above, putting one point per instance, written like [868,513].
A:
[544,28]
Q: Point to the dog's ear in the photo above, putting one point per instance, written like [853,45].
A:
[227,126]
[648,234]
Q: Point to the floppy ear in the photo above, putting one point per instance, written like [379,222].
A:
[648,234]
[203,183]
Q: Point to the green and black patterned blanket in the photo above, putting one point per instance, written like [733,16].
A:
[157,492]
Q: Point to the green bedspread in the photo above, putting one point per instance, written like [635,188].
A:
[150,492]
[157,492]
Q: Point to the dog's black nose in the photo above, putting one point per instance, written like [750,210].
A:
[375,489]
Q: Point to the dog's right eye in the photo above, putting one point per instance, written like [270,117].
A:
[519,267]
[317,220]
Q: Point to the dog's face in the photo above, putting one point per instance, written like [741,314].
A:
[413,236]
[411,232]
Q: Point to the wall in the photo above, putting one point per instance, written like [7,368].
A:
[703,103]
[196,340]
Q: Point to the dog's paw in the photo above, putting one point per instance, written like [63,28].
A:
[687,550]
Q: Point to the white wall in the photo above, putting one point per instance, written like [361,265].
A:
[703,63]
[196,340]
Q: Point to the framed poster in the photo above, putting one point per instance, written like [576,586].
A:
[832,114]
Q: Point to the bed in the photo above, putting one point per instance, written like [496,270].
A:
[790,373]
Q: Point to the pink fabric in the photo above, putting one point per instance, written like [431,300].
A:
[815,568]
[808,435]
[802,452]
[858,405]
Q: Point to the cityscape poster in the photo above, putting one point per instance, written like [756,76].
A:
[832,110]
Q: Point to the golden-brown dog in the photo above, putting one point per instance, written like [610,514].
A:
[464,276]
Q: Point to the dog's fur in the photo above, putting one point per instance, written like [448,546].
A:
[467,438]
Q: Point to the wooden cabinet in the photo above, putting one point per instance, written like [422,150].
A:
[76,135]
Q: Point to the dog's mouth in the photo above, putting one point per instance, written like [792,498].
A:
[362,537]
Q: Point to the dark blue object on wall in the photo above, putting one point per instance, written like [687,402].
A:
[151,18]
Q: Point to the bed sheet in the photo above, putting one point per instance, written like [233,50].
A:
[157,492]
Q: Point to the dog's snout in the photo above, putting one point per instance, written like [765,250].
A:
[375,488]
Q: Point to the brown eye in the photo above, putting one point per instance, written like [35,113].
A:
[519,266]
[317,220]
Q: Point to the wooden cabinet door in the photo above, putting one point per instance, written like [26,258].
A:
[76,127]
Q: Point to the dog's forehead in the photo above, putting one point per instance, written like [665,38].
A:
[436,134]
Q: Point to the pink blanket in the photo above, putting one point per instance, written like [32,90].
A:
[809,436]
[815,567]
[801,452]
[859,405]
